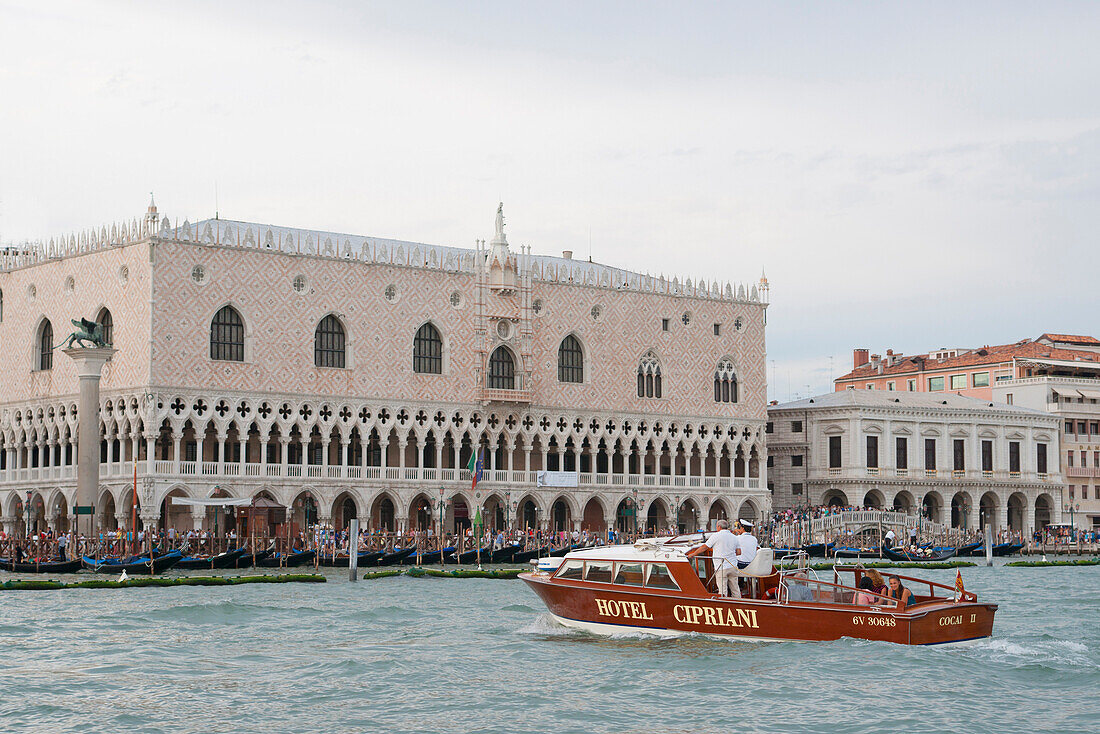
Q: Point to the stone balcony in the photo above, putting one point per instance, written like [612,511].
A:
[945,475]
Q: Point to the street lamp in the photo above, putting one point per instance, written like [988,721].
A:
[1071,509]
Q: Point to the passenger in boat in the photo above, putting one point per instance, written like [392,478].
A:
[865,597]
[724,546]
[797,590]
[878,584]
[899,592]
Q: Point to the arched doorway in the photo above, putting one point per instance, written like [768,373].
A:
[931,505]
[1017,511]
[176,516]
[344,510]
[718,511]
[747,511]
[594,517]
[987,515]
[382,514]
[304,511]
[687,519]
[528,514]
[61,512]
[460,512]
[108,519]
[626,517]
[903,502]
[874,500]
[835,498]
[421,516]
[656,519]
[560,516]
[1043,507]
[960,510]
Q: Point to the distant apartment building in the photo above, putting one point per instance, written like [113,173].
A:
[1058,374]
[969,372]
[958,461]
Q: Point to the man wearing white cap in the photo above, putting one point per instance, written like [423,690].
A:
[746,543]
[724,548]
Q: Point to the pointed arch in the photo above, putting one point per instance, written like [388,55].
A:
[329,343]
[726,387]
[227,335]
[428,350]
[570,360]
[502,369]
[44,346]
[649,375]
[107,322]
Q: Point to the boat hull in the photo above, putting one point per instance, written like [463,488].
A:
[669,614]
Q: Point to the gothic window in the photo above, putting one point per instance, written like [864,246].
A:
[570,360]
[328,343]
[428,351]
[227,335]
[649,376]
[108,323]
[725,383]
[45,345]
[502,370]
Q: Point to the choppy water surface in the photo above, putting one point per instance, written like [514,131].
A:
[426,655]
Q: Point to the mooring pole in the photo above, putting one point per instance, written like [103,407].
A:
[988,545]
[353,549]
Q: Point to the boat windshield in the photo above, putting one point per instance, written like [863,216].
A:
[797,587]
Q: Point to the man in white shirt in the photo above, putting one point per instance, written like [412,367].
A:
[724,547]
[746,543]
[888,541]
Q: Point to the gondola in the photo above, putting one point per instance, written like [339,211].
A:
[523,556]
[431,557]
[366,558]
[222,560]
[504,555]
[144,565]
[470,556]
[280,560]
[249,559]
[1001,550]
[40,566]
[857,553]
[395,557]
[970,549]
[817,550]
[901,554]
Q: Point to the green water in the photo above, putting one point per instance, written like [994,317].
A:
[445,655]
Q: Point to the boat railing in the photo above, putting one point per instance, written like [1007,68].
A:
[827,592]
[966,596]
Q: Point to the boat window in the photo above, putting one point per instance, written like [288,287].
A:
[629,574]
[658,577]
[570,570]
[598,571]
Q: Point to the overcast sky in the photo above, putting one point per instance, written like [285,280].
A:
[910,176]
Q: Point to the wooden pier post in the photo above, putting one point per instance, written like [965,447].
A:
[353,550]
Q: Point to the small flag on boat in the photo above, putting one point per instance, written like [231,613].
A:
[474,467]
[958,584]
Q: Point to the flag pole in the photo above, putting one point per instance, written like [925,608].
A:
[133,513]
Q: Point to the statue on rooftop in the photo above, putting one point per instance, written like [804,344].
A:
[500,221]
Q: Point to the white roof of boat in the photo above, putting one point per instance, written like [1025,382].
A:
[646,550]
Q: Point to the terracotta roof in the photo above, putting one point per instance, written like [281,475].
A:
[973,358]
[1072,339]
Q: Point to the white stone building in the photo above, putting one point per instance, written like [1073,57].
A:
[960,461]
[343,376]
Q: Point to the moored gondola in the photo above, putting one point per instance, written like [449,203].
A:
[287,560]
[221,560]
[504,555]
[431,557]
[395,557]
[470,556]
[969,549]
[134,564]
[523,556]
[40,566]
[817,550]
[857,553]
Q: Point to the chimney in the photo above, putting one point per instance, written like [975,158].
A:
[875,360]
[567,254]
[859,358]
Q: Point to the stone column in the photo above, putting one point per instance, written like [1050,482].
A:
[89,368]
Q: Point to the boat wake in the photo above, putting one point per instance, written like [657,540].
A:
[1047,653]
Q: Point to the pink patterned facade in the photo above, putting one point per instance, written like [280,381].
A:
[375,438]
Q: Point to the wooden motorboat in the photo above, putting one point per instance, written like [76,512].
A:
[655,587]
[40,566]
[144,564]
[222,560]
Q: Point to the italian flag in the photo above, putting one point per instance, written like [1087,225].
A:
[474,467]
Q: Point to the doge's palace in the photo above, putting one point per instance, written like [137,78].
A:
[344,376]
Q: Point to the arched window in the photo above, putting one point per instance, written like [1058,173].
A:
[328,343]
[227,335]
[570,360]
[725,383]
[649,376]
[45,345]
[104,319]
[502,370]
[428,351]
